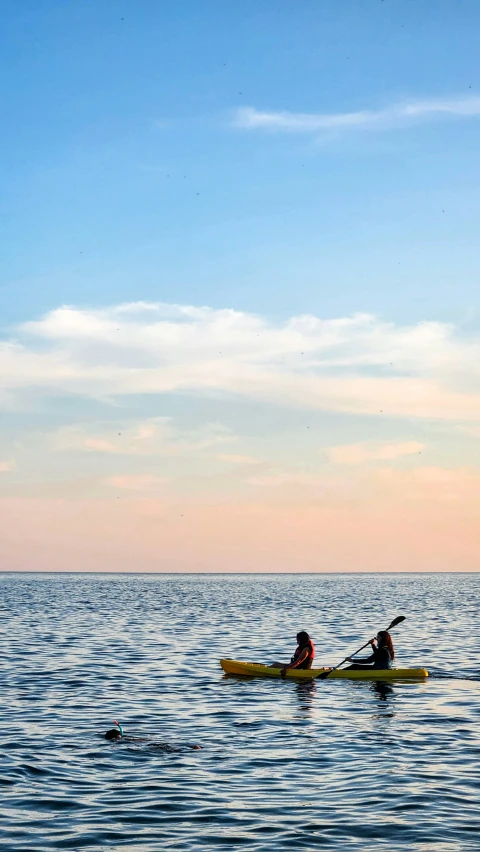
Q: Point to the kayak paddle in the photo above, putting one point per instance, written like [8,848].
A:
[324,675]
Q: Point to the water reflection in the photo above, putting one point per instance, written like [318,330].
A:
[306,692]
[383,689]
[384,693]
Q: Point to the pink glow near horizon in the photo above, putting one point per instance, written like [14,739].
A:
[150,535]
[366,457]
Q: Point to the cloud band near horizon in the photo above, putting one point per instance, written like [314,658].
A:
[358,364]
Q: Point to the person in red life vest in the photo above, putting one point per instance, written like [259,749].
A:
[303,656]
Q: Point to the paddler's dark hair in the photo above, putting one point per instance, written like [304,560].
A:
[386,640]
[113,734]
[303,637]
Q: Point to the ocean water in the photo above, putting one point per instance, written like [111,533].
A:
[325,765]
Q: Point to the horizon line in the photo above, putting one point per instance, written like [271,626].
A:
[237,573]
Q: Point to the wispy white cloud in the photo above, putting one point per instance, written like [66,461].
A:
[138,482]
[7,466]
[395,115]
[358,364]
[432,484]
[293,484]
[471,431]
[428,486]
[237,459]
[288,477]
[365,452]
[155,436]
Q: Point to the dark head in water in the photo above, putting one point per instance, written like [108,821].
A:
[113,734]
[303,638]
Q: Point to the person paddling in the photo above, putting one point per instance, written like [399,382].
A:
[382,656]
[303,656]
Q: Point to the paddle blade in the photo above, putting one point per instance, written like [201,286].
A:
[396,621]
[323,675]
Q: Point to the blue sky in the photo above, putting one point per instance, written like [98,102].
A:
[121,172]
[302,179]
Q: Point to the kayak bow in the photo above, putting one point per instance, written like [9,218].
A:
[236,667]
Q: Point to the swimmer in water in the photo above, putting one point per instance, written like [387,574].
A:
[113,734]
[116,734]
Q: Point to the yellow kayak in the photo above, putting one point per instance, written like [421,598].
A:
[236,667]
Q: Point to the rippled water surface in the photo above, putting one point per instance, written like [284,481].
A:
[328,765]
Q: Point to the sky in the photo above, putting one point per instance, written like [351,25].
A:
[239,285]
